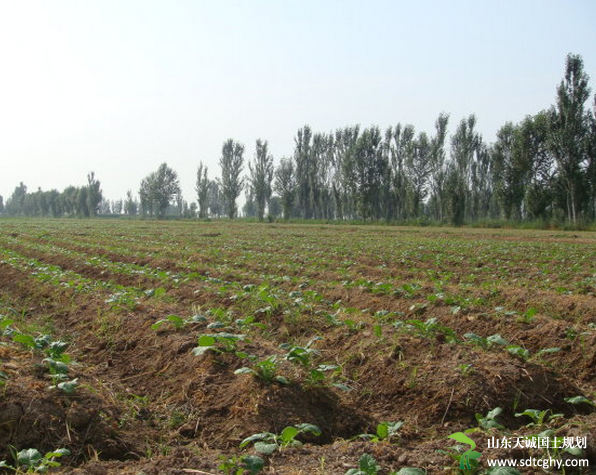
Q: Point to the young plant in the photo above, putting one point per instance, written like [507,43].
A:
[267,442]
[178,322]
[385,432]
[538,417]
[238,465]
[31,461]
[367,465]
[490,420]
[265,369]
[218,342]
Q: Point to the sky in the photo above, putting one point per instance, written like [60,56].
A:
[118,87]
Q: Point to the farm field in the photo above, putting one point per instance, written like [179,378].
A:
[159,347]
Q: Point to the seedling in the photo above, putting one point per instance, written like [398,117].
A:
[31,461]
[489,421]
[178,322]
[265,369]
[576,400]
[538,417]
[218,343]
[367,465]
[267,442]
[385,432]
[238,465]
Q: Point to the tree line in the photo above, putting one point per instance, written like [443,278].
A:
[543,168]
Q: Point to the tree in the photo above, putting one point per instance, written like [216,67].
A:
[158,189]
[399,143]
[215,199]
[231,163]
[418,166]
[130,204]
[261,176]
[365,168]
[285,185]
[510,170]
[1,204]
[93,195]
[569,132]
[202,189]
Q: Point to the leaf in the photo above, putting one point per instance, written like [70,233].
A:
[57,453]
[206,340]
[282,380]
[265,448]
[383,430]
[579,400]
[201,350]
[368,465]
[69,386]
[215,325]
[29,457]
[463,438]
[313,429]
[255,437]
[411,471]
[497,340]
[288,434]
[494,413]
[245,370]
[253,463]
[25,340]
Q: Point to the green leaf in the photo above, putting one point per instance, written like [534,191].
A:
[25,340]
[245,370]
[265,448]
[313,429]
[69,386]
[368,465]
[29,457]
[497,340]
[201,350]
[579,400]
[253,463]
[411,471]
[255,437]
[282,380]
[57,453]
[383,430]
[206,340]
[288,434]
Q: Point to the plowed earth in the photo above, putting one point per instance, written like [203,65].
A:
[401,317]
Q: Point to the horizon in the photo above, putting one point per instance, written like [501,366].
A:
[120,89]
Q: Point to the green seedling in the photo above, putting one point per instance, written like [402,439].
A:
[385,432]
[178,322]
[239,465]
[367,465]
[538,417]
[267,442]
[31,461]
[577,400]
[519,352]
[486,343]
[218,343]
[265,369]
[490,420]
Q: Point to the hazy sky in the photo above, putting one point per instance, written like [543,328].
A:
[121,86]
